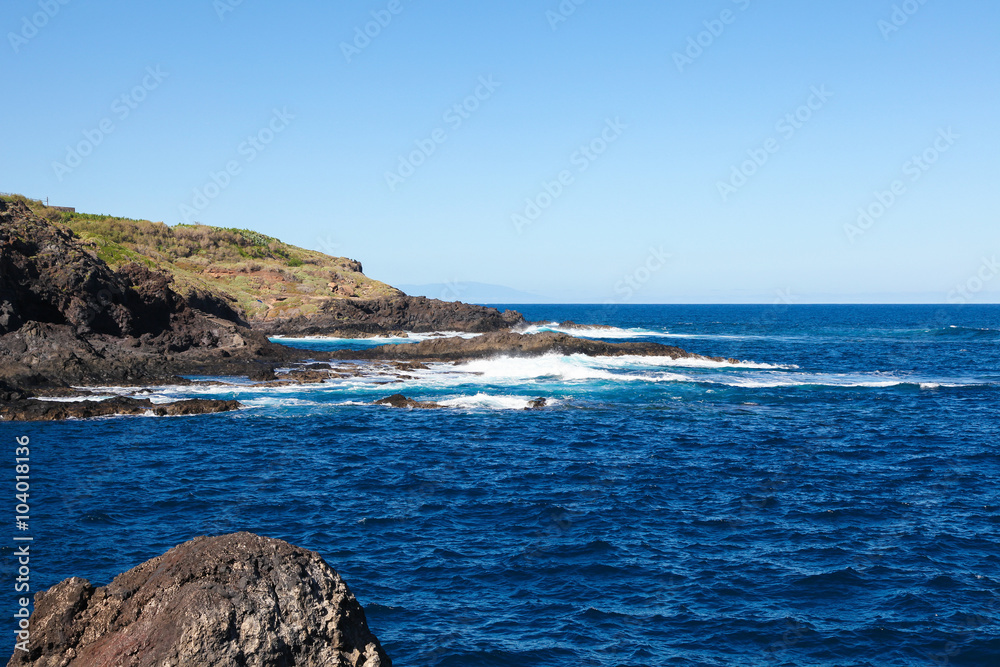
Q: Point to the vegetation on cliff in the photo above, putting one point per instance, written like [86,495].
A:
[258,275]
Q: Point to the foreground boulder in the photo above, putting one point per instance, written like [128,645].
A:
[238,599]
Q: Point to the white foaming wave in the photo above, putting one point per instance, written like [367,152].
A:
[640,361]
[514,369]
[410,337]
[73,399]
[592,332]
[576,368]
[483,401]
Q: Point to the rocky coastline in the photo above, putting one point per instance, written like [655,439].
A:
[68,321]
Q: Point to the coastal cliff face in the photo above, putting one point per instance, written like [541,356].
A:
[237,599]
[67,318]
[235,275]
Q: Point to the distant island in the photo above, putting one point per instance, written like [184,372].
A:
[94,300]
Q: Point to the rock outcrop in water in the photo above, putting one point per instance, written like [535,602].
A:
[521,345]
[238,599]
[369,317]
[36,410]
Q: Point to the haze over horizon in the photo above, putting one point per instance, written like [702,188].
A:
[583,151]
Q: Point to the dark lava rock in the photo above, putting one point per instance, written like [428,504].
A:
[306,377]
[258,373]
[400,401]
[386,315]
[237,599]
[514,344]
[36,410]
[537,404]
[66,318]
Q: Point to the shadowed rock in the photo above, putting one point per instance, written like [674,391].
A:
[237,599]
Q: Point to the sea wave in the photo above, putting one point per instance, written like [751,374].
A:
[592,332]
[410,337]
[486,401]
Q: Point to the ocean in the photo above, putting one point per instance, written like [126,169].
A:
[830,500]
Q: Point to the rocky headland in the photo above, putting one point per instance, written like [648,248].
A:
[238,599]
[95,301]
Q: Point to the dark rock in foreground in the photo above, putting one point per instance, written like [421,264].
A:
[359,317]
[237,599]
[514,344]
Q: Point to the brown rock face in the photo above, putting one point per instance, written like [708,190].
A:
[67,319]
[238,599]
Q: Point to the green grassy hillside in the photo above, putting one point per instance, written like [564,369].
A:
[259,274]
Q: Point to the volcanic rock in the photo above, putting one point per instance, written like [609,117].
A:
[387,315]
[515,344]
[238,599]
[36,410]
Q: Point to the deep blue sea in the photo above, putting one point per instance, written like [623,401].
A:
[832,500]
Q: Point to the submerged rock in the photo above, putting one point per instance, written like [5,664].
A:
[400,401]
[36,410]
[517,345]
[237,599]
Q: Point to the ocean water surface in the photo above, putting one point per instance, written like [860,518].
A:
[830,500]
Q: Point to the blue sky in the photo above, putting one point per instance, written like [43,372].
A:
[288,119]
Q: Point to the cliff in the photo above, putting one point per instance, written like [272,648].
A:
[67,318]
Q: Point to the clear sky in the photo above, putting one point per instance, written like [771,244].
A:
[634,151]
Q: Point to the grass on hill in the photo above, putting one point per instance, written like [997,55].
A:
[259,274]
